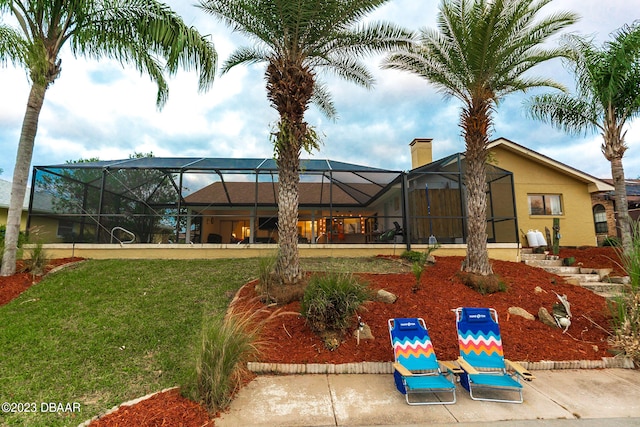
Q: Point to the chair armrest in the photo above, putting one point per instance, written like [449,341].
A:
[525,374]
[451,366]
[467,367]
[403,371]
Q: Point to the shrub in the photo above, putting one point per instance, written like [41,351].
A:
[331,300]
[227,344]
[488,284]
[413,256]
[626,307]
[37,262]
[611,241]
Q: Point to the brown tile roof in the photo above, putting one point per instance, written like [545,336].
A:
[243,193]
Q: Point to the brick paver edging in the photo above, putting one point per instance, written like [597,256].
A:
[387,367]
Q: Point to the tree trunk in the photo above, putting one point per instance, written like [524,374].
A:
[622,207]
[288,262]
[21,177]
[475,124]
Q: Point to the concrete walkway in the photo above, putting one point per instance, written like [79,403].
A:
[557,398]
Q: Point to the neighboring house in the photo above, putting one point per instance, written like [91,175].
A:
[604,210]
[44,227]
[5,199]
[234,200]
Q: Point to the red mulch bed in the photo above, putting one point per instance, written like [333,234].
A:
[290,341]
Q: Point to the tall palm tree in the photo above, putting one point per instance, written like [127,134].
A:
[481,52]
[607,96]
[144,33]
[296,38]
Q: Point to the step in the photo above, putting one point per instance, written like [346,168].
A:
[603,287]
[532,256]
[563,270]
[543,262]
[582,278]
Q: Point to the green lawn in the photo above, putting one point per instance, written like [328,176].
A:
[103,332]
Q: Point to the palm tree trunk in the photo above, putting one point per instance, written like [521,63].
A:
[288,262]
[475,123]
[622,207]
[21,176]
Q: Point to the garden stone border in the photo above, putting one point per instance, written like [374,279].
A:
[387,367]
[128,403]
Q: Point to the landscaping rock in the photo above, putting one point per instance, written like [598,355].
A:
[365,333]
[386,296]
[546,317]
[519,311]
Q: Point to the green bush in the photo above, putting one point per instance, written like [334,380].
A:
[413,256]
[37,260]
[331,300]
[227,344]
[611,241]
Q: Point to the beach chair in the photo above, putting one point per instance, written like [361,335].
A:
[487,375]
[417,372]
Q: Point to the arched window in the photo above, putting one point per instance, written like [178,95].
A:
[600,219]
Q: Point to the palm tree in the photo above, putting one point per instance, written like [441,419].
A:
[136,32]
[481,52]
[296,38]
[607,96]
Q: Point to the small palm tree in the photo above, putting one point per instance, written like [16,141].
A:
[296,38]
[136,32]
[607,96]
[481,52]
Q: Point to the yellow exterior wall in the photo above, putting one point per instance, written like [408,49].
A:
[500,251]
[576,222]
[3,218]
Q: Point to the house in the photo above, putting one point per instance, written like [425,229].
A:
[547,189]
[5,200]
[604,210]
[228,201]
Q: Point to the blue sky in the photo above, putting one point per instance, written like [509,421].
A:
[100,109]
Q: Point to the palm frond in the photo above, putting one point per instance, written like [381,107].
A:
[13,47]
[572,114]
[244,55]
[322,98]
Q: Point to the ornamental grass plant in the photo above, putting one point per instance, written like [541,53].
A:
[626,306]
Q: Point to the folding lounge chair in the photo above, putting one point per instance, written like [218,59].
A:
[417,371]
[486,371]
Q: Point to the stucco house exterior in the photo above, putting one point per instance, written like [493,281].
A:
[547,189]
[5,199]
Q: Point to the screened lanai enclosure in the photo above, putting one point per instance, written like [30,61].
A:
[234,201]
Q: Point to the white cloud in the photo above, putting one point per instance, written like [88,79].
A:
[99,109]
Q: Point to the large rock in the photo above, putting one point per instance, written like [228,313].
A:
[386,296]
[519,311]
[546,317]
[364,332]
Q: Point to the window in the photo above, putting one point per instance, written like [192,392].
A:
[65,228]
[600,219]
[545,204]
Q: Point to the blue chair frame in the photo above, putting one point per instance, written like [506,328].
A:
[482,359]
[417,371]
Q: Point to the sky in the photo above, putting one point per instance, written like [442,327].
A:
[100,109]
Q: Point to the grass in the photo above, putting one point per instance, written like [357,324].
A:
[104,332]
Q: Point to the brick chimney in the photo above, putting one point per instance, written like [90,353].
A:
[421,152]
